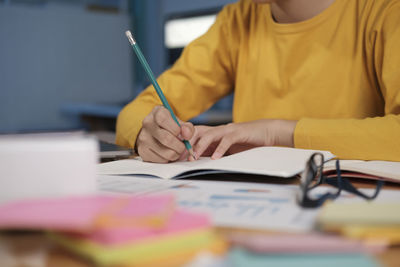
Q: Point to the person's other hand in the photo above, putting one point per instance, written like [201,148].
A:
[235,137]
[160,139]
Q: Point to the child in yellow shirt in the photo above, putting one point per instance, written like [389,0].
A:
[317,74]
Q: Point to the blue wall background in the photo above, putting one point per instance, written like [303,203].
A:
[55,54]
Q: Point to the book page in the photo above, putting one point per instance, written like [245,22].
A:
[384,169]
[271,161]
[138,167]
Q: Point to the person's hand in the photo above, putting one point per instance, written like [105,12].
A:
[235,137]
[160,139]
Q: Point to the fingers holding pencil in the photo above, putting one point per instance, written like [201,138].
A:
[160,139]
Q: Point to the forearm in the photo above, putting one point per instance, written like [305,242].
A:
[367,139]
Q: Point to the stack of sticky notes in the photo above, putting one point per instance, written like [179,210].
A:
[368,221]
[115,230]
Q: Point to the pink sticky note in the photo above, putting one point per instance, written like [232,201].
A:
[140,206]
[77,214]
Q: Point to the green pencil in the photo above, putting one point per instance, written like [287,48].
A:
[154,82]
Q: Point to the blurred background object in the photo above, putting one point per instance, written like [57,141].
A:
[47,165]
[65,64]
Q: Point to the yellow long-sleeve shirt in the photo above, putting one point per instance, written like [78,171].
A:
[337,73]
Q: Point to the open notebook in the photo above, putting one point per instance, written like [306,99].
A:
[374,169]
[270,161]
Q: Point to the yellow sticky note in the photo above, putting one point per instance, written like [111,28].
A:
[139,252]
[386,234]
[365,213]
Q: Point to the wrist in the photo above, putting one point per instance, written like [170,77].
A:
[284,133]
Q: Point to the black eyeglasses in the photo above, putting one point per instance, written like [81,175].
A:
[313,176]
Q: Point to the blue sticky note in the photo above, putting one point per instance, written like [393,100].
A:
[242,258]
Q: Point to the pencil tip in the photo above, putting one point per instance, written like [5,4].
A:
[193,154]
